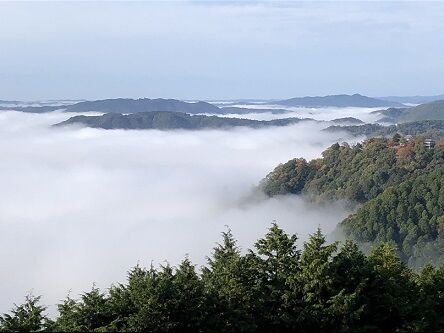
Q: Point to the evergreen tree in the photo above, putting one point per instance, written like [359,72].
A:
[392,295]
[316,281]
[229,297]
[275,262]
[431,299]
[27,317]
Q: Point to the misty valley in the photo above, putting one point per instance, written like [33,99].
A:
[221,166]
[340,193]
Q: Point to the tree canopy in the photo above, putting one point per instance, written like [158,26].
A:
[271,288]
[396,188]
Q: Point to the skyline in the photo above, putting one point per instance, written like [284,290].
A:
[216,51]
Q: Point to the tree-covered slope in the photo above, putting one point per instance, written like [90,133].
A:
[411,214]
[433,129]
[429,111]
[398,184]
[358,173]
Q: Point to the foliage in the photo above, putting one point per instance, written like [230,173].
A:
[272,288]
[27,317]
[408,214]
[399,183]
[433,129]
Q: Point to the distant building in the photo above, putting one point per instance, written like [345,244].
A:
[429,143]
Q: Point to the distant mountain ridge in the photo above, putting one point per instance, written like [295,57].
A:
[433,129]
[355,100]
[128,105]
[413,99]
[167,120]
[429,111]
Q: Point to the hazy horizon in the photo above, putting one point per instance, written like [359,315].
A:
[216,50]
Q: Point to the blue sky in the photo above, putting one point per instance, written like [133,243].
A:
[219,50]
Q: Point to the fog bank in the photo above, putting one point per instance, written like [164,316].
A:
[79,206]
[321,113]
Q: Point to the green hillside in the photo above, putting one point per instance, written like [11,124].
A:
[397,185]
[433,129]
[428,111]
[411,214]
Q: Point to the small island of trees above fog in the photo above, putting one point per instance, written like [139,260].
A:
[165,120]
[122,113]
[427,119]
[388,275]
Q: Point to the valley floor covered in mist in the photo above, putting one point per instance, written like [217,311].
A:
[80,205]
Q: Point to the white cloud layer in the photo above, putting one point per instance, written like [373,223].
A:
[322,113]
[79,206]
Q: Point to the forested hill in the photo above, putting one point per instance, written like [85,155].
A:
[413,99]
[399,184]
[171,120]
[429,111]
[433,129]
[274,287]
[411,214]
[355,100]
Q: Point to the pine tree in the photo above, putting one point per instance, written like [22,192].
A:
[392,295]
[316,282]
[275,263]
[228,295]
[27,317]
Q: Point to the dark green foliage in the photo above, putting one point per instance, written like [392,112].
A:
[226,285]
[271,267]
[428,128]
[431,298]
[290,177]
[407,214]
[27,317]
[392,290]
[356,173]
[399,184]
[273,288]
[316,282]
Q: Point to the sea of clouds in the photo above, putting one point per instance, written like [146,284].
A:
[322,113]
[82,205]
